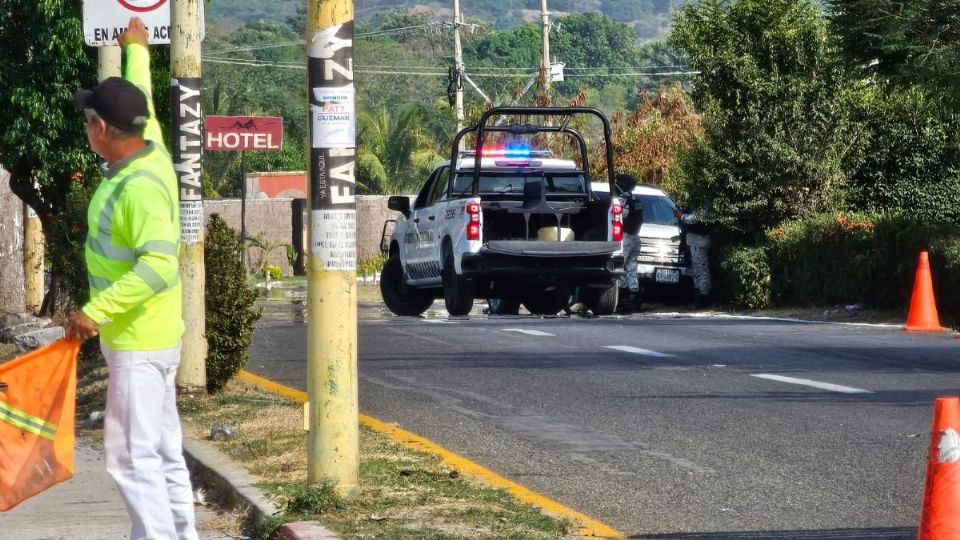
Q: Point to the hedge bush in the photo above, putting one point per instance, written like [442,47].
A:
[844,259]
[231,315]
[744,278]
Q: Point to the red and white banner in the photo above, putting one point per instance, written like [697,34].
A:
[243,133]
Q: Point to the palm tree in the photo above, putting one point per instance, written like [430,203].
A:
[392,151]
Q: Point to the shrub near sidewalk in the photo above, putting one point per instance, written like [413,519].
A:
[231,315]
[404,493]
[844,259]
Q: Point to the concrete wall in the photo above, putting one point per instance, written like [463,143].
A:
[11,248]
[273,219]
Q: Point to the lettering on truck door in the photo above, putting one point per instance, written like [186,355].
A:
[429,248]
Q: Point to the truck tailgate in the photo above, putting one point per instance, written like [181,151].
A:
[547,248]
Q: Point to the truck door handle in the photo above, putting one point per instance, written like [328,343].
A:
[430,218]
[416,220]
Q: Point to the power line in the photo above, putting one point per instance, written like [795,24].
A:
[365,71]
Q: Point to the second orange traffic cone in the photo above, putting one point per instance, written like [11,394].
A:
[940,519]
[923,307]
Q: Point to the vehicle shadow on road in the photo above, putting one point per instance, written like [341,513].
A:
[884,533]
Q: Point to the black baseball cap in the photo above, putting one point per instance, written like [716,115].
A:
[119,102]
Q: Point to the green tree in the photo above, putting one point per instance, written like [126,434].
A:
[42,139]
[780,135]
[904,41]
[594,46]
[392,150]
[231,314]
[912,165]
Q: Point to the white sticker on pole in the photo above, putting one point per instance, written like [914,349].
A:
[334,122]
[105,20]
[333,238]
[191,221]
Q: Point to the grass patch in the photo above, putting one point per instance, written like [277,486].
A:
[404,493]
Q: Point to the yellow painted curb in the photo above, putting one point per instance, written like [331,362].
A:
[586,526]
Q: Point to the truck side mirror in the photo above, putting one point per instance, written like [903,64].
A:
[399,203]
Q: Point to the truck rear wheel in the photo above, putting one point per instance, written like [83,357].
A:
[602,301]
[399,297]
[457,294]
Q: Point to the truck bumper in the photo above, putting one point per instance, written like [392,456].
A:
[544,263]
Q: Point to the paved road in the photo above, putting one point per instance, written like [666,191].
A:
[699,427]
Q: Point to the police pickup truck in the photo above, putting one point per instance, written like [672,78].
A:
[507,220]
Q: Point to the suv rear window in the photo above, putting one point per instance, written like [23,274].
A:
[514,182]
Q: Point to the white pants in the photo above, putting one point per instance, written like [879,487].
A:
[144,446]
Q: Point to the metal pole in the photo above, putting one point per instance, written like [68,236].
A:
[458,58]
[187,147]
[545,62]
[243,209]
[333,439]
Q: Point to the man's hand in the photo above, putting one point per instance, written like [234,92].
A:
[136,32]
[79,326]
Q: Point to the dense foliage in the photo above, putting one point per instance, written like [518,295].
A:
[778,112]
[912,162]
[904,41]
[231,315]
[844,258]
[42,139]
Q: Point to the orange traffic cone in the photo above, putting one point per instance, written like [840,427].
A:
[923,307]
[940,519]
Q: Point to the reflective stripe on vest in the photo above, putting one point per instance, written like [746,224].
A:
[147,274]
[27,422]
[102,243]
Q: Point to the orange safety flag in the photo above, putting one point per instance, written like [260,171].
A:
[37,399]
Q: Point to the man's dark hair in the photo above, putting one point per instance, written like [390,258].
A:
[625,182]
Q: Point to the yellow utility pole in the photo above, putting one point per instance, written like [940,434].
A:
[333,440]
[187,149]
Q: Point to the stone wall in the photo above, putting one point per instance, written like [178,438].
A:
[273,219]
[11,248]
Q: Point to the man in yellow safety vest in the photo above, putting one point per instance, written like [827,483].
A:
[135,302]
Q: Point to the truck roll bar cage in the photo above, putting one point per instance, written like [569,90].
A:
[567,113]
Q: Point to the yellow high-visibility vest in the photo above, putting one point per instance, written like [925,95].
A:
[133,241]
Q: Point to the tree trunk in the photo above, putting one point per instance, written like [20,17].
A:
[11,248]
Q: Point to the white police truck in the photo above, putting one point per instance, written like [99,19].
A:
[509,221]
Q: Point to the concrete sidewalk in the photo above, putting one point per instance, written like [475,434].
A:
[88,507]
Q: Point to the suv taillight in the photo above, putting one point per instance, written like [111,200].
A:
[473,226]
[616,224]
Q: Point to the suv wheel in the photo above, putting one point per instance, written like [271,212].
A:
[456,289]
[399,297]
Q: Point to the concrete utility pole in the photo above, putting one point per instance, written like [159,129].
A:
[32,260]
[545,63]
[187,149]
[458,58]
[333,440]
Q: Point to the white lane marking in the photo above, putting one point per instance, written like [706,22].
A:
[438,321]
[637,350]
[815,384]
[528,332]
